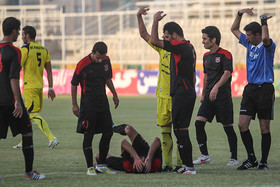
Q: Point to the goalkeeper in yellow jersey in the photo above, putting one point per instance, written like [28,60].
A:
[164,117]
[36,58]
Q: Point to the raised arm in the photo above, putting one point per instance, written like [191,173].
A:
[236,24]
[265,34]
[142,28]
[154,37]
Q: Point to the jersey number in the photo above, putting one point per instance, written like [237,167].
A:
[39,59]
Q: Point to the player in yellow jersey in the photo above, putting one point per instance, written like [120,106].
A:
[164,115]
[36,58]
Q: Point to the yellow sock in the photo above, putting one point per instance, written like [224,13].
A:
[42,124]
[167,145]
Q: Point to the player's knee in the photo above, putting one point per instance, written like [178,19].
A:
[129,130]
[199,125]
[182,136]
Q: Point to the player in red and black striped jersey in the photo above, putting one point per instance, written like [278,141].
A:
[216,94]
[93,73]
[182,83]
[12,110]
[137,157]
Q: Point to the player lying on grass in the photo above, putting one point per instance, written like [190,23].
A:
[137,156]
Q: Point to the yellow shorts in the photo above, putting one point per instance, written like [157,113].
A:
[164,115]
[33,99]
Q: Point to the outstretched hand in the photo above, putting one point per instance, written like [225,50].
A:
[143,11]
[159,15]
[248,11]
[264,16]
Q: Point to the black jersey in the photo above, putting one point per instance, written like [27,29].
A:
[182,66]
[10,58]
[214,65]
[92,78]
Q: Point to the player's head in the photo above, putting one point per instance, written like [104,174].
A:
[28,32]
[210,36]
[11,27]
[173,29]
[99,51]
[253,33]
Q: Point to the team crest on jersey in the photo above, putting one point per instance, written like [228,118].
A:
[218,60]
[106,67]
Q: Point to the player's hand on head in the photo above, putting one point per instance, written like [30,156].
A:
[159,15]
[18,111]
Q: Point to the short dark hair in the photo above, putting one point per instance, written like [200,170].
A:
[212,32]
[172,27]
[31,31]
[100,47]
[254,27]
[10,24]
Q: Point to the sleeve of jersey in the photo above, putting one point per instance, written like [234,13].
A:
[154,47]
[48,59]
[15,65]
[243,41]
[227,61]
[108,73]
[24,52]
[172,46]
[204,68]
[76,77]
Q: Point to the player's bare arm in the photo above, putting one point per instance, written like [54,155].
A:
[75,107]
[142,28]
[51,92]
[236,24]
[110,85]
[221,82]
[154,37]
[265,34]
[18,111]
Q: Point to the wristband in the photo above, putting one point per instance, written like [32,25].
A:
[263,21]
[239,14]
[51,88]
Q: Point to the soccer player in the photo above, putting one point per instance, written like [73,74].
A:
[137,157]
[216,94]
[182,85]
[36,58]
[12,110]
[93,72]
[258,95]
[164,116]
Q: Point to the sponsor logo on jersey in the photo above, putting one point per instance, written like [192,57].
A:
[106,67]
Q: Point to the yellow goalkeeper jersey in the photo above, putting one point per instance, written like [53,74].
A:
[163,86]
[33,59]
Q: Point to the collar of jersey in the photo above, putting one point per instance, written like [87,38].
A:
[258,46]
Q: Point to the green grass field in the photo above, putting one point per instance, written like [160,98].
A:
[65,165]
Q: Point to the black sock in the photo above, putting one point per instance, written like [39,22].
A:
[87,148]
[185,146]
[201,136]
[248,143]
[266,142]
[120,129]
[28,152]
[104,145]
[232,140]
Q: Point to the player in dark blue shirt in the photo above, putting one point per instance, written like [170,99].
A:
[258,95]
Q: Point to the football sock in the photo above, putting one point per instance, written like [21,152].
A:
[42,124]
[120,129]
[167,145]
[179,160]
[201,136]
[104,145]
[248,143]
[28,152]
[232,140]
[266,142]
[87,148]
[185,146]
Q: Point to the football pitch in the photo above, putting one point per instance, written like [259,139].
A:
[65,165]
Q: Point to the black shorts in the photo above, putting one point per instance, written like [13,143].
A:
[142,148]
[182,109]
[18,125]
[258,99]
[222,109]
[95,122]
